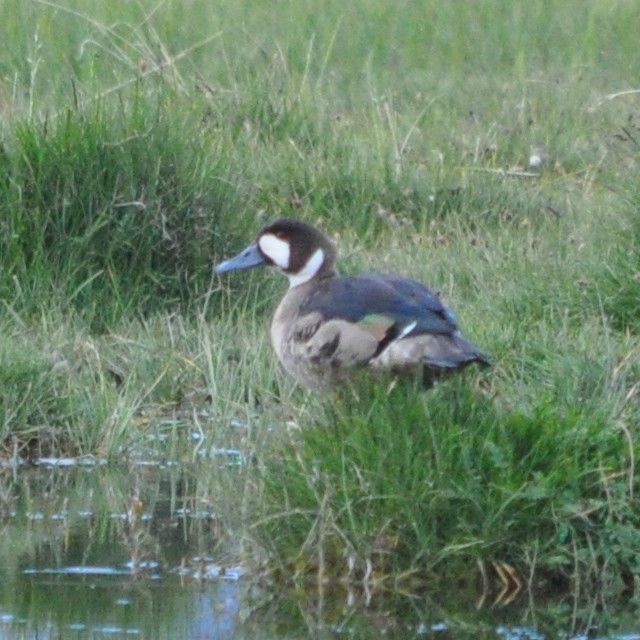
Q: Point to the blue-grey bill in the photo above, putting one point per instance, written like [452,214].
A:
[247,259]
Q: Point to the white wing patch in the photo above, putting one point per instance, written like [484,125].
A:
[407,330]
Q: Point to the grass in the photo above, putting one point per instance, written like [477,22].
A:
[140,143]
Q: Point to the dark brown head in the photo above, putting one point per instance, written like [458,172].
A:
[296,248]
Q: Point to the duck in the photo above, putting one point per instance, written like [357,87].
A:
[327,326]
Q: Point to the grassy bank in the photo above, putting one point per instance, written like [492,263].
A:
[141,143]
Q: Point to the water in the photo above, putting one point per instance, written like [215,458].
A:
[151,552]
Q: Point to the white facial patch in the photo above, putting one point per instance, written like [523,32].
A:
[275,249]
[308,271]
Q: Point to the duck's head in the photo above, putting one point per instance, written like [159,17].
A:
[297,249]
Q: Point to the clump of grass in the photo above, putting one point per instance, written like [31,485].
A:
[166,388]
[620,296]
[27,402]
[61,396]
[406,487]
[106,211]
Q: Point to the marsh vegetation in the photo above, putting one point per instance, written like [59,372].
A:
[490,152]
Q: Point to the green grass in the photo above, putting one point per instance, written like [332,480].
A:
[142,142]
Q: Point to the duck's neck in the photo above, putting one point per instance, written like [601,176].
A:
[316,267]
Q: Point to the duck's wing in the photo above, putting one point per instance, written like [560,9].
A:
[401,322]
[375,301]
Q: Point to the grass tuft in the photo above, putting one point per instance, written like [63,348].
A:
[410,485]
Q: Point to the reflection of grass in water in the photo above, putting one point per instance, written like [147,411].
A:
[103,519]
[436,611]
[120,189]
[123,519]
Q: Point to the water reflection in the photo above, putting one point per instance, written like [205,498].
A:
[150,609]
[155,552]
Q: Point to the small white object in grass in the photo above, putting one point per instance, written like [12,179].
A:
[535,161]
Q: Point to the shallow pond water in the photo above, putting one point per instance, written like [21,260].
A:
[152,552]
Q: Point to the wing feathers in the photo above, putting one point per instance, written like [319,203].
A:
[378,302]
[384,321]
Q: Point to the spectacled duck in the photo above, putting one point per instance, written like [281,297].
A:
[326,325]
